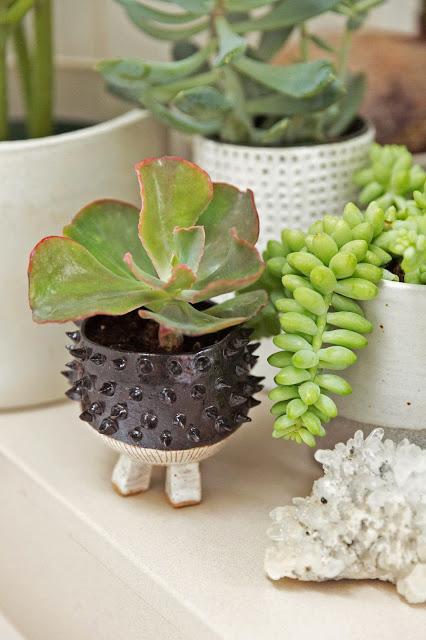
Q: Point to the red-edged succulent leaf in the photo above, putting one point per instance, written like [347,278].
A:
[189,245]
[68,283]
[238,268]
[184,318]
[109,229]
[174,193]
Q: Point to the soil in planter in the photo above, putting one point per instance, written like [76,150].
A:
[18,130]
[395,268]
[132,333]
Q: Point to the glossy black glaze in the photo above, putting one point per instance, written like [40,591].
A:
[164,401]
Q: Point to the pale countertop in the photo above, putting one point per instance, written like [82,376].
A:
[199,570]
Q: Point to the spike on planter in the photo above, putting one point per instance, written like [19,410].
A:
[72,365]
[235,399]
[75,336]
[67,374]
[254,402]
[253,346]
[240,370]
[221,385]
[240,418]
[77,352]
[74,393]
[86,416]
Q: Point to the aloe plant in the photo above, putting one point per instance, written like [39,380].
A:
[33,51]
[192,240]
[228,87]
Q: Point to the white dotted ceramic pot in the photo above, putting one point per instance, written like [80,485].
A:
[389,379]
[293,186]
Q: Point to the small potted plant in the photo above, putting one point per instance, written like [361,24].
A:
[72,142]
[316,280]
[161,372]
[291,133]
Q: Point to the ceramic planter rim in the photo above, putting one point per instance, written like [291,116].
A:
[82,327]
[404,285]
[100,128]
[367,127]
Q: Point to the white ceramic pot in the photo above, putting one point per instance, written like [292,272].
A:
[389,378]
[293,186]
[43,183]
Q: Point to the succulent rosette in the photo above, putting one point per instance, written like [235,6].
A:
[192,240]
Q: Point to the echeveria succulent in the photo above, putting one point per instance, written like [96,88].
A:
[192,240]
[228,87]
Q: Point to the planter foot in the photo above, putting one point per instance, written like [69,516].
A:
[183,484]
[130,477]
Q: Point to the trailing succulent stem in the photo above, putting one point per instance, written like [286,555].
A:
[322,273]
[33,51]
[192,240]
[230,87]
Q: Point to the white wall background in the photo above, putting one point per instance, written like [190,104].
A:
[100,28]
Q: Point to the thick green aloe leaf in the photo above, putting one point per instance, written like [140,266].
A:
[183,317]
[203,103]
[231,45]
[281,105]
[139,12]
[287,13]
[68,283]
[95,227]
[174,193]
[134,74]
[298,80]
[189,245]
[218,273]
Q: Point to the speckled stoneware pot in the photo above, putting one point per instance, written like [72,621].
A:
[160,408]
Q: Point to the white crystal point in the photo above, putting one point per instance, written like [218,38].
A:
[365,518]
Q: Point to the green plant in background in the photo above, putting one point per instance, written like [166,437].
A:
[193,239]
[34,59]
[399,187]
[228,87]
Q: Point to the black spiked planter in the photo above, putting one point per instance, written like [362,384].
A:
[163,401]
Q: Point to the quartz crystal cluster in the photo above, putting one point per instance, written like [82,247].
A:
[365,518]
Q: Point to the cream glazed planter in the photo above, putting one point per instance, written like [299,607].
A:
[43,182]
[388,380]
[293,186]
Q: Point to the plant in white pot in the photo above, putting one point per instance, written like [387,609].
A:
[63,141]
[290,133]
[316,280]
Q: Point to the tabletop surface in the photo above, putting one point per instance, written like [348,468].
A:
[209,558]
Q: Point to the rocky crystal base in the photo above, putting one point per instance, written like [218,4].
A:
[365,518]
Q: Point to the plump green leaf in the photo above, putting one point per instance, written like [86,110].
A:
[244,305]
[299,80]
[189,245]
[288,13]
[95,228]
[135,74]
[246,5]
[181,121]
[184,318]
[231,46]
[68,283]
[194,6]
[279,105]
[203,103]
[172,34]
[174,193]
[271,135]
[271,42]
[238,268]
[139,12]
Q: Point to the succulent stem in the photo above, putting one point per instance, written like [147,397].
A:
[23,63]
[168,339]
[40,114]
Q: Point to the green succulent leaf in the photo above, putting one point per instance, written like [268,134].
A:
[246,5]
[189,245]
[231,46]
[181,121]
[95,228]
[245,305]
[278,104]
[271,42]
[349,104]
[184,318]
[174,193]
[202,103]
[139,12]
[172,34]
[68,283]
[299,80]
[288,13]
[195,6]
